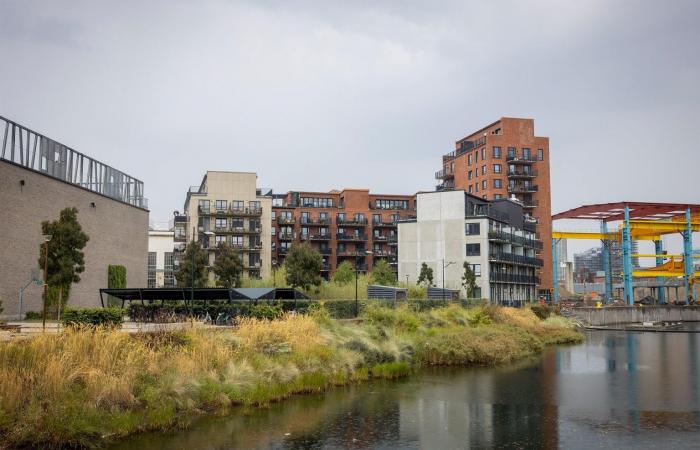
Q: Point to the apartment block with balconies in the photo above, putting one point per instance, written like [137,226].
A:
[506,160]
[349,225]
[228,207]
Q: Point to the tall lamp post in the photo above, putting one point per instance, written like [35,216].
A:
[449,263]
[357,262]
[47,238]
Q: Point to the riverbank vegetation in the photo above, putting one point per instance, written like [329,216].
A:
[90,385]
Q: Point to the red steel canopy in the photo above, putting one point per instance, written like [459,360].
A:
[610,212]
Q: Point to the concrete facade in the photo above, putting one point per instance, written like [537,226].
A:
[161,248]
[226,207]
[452,228]
[118,235]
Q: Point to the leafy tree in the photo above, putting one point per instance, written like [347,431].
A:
[303,265]
[344,273]
[383,274]
[228,267]
[116,279]
[469,280]
[65,259]
[201,260]
[426,275]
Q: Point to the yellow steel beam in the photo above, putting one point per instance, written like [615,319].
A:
[660,273]
[651,255]
[662,226]
[582,235]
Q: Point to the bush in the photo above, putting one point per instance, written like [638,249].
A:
[93,316]
[32,315]
[541,311]
[266,311]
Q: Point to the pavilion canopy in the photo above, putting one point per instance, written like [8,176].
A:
[185,294]
[611,212]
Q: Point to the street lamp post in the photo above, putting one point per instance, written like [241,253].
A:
[47,238]
[357,258]
[443,276]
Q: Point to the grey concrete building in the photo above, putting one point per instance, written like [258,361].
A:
[38,178]
[495,237]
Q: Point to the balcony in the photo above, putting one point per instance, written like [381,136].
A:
[502,236]
[354,222]
[515,259]
[325,267]
[513,278]
[381,254]
[282,250]
[522,173]
[254,247]
[520,160]
[350,237]
[325,251]
[522,189]
[251,266]
[281,220]
[446,186]
[384,224]
[444,174]
[319,237]
[393,240]
[285,236]
[380,238]
[246,212]
[531,204]
[314,222]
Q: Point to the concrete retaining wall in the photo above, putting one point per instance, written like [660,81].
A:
[614,315]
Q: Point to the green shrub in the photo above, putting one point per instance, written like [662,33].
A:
[32,315]
[266,311]
[116,279]
[541,311]
[93,316]
[341,309]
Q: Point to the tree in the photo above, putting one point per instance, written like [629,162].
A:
[426,275]
[66,259]
[383,274]
[228,267]
[344,273]
[469,280]
[303,265]
[116,279]
[201,260]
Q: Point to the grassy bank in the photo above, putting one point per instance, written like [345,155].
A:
[87,387]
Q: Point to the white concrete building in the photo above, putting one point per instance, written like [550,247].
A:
[494,237]
[161,269]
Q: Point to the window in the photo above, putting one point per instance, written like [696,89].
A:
[168,276]
[376,232]
[476,156]
[151,261]
[469,159]
[391,204]
[180,232]
[359,217]
[469,175]
[484,184]
[483,153]
[323,217]
[526,153]
[221,205]
[204,206]
[496,153]
[497,183]
[237,224]
[237,205]
[483,169]
[376,218]
[219,239]
[236,241]
[496,196]
[305,217]
[473,249]
[273,230]
[274,215]
[221,223]
[473,229]
[540,154]
[511,152]
[470,189]
[312,202]
[254,205]
[395,218]
[204,223]
[341,247]
[476,269]
[496,168]
[476,187]
[323,231]
[340,218]
[304,232]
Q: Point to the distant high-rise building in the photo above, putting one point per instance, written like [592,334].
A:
[591,261]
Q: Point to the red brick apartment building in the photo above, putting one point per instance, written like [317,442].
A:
[501,160]
[341,225]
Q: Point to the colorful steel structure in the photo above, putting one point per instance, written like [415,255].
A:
[639,221]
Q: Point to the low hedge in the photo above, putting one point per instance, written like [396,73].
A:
[93,316]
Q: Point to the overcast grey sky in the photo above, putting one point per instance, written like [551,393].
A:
[317,95]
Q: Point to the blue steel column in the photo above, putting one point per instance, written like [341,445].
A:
[688,255]
[555,272]
[659,249]
[606,263]
[627,258]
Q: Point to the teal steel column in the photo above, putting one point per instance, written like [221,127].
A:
[555,272]
[659,249]
[688,256]
[627,259]
[606,263]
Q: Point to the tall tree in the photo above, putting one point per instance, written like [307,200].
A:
[228,267]
[66,259]
[383,274]
[344,273]
[201,260]
[303,265]
[426,275]
[469,280]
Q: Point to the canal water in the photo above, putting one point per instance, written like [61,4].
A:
[617,390]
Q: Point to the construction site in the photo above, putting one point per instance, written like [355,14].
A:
[622,226]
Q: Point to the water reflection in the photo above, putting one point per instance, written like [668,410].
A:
[617,390]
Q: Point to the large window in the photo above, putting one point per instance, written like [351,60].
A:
[473,249]
[391,204]
[483,153]
[313,202]
[254,205]
[476,269]
[469,175]
[511,152]
[168,274]
[237,241]
[376,218]
[204,206]
[540,154]
[151,269]
[496,168]
[526,153]
[483,169]
[473,229]
[496,153]
[237,224]
[305,218]
[484,184]
[237,205]
[220,223]
[221,205]
[219,239]
[497,183]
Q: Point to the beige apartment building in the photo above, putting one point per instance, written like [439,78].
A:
[228,207]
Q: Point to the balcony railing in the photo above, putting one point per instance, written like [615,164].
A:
[351,237]
[522,173]
[245,211]
[281,220]
[349,222]
[384,224]
[513,278]
[285,236]
[445,173]
[314,222]
[515,259]
[446,186]
[531,204]
[522,188]
[393,240]
[520,160]
[503,236]
[319,237]
[325,251]
[282,250]
[380,238]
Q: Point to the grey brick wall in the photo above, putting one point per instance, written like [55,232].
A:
[118,235]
